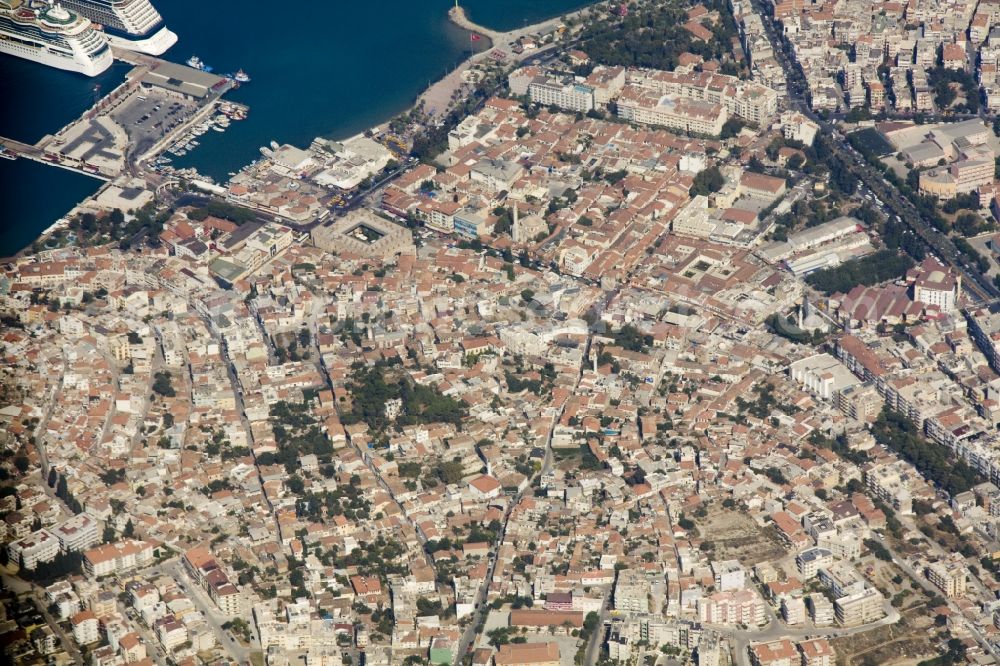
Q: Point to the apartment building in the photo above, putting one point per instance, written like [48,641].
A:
[810,561]
[891,484]
[607,83]
[781,652]
[202,567]
[564,93]
[77,533]
[949,576]
[861,402]
[750,101]
[117,557]
[632,592]
[817,652]
[935,284]
[86,629]
[842,579]
[732,607]
[34,549]
[820,610]
[648,107]
[859,608]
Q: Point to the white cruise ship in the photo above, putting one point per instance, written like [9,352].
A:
[53,36]
[134,25]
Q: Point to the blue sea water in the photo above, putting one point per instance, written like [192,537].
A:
[319,69]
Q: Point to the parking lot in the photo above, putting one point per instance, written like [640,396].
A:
[148,115]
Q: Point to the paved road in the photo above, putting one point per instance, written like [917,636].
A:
[932,590]
[978,286]
[469,635]
[213,616]
[597,638]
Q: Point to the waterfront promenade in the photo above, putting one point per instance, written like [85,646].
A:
[438,97]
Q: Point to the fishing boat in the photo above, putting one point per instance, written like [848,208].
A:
[197,63]
[242,76]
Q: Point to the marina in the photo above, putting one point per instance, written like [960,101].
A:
[161,106]
[283,93]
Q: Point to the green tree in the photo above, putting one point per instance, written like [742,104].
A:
[450,472]
[162,385]
[707,181]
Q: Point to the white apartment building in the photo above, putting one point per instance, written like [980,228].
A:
[859,608]
[811,560]
[648,107]
[632,592]
[36,548]
[793,610]
[820,610]
[117,557]
[77,533]
[567,95]
[842,579]
[732,607]
[86,629]
[729,575]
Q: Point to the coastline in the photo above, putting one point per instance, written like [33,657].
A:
[436,98]
[439,93]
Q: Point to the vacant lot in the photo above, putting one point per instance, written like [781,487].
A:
[898,643]
[736,536]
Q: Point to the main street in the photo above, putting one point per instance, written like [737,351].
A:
[469,634]
[213,616]
[979,287]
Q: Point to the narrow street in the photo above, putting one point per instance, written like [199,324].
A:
[198,596]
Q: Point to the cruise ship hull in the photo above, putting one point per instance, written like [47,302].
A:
[155,45]
[80,65]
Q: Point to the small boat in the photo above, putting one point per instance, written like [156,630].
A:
[242,76]
[219,128]
[197,63]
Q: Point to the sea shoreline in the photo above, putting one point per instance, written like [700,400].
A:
[431,97]
[443,88]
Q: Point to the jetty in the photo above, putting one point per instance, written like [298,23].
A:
[458,16]
[438,96]
[156,104]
